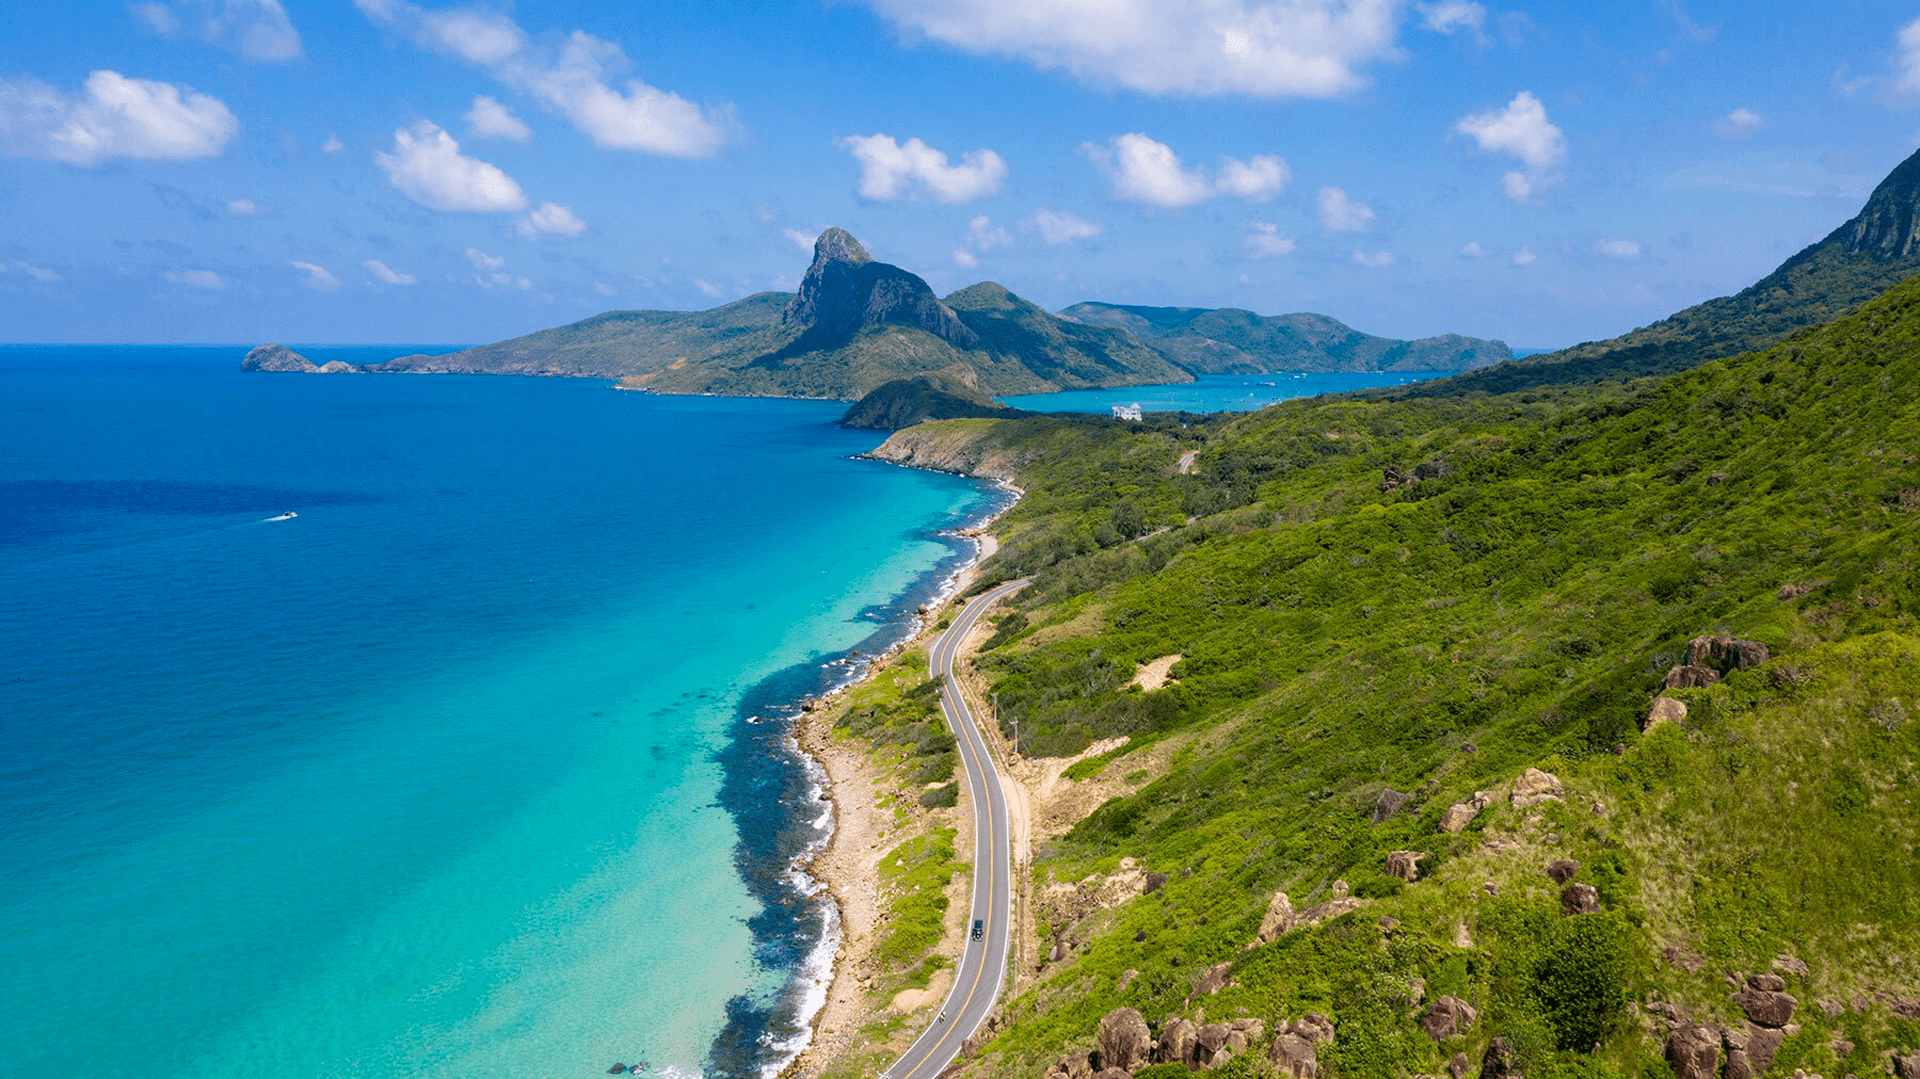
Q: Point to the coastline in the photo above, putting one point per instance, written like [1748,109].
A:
[845,864]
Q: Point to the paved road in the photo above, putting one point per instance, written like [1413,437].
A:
[983,965]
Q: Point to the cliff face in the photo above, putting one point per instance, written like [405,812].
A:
[845,291]
[969,448]
[1885,227]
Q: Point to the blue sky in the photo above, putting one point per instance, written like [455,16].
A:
[392,171]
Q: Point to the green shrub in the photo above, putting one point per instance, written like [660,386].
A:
[941,797]
[1581,982]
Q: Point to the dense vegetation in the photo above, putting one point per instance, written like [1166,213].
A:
[1229,340]
[1428,596]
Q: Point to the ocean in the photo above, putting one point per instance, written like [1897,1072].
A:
[1219,393]
[422,725]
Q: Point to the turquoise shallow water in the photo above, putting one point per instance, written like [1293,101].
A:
[1218,393]
[451,773]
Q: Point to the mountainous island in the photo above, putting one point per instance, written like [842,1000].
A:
[857,324]
[1570,735]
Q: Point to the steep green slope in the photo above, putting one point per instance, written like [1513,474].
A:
[1428,597]
[932,396]
[1060,351]
[1229,340]
[1853,264]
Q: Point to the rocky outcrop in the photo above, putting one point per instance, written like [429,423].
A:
[1664,710]
[1278,921]
[1766,1001]
[1499,1062]
[1405,864]
[1124,1040]
[1535,787]
[1562,870]
[966,452]
[278,358]
[1461,814]
[1176,1041]
[1693,1051]
[1295,1048]
[1282,919]
[1906,1065]
[846,291]
[1389,803]
[1393,478]
[907,401]
[1446,1017]
[1212,980]
[1726,653]
[1688,676]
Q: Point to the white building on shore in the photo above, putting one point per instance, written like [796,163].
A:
[1128,412]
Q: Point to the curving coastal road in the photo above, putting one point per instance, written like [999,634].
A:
[983,963]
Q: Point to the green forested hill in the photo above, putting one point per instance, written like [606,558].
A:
[1230,340]
[1385,607]
[1854,263]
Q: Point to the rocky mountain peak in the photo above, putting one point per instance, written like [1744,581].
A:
[1886,228]
[846,291]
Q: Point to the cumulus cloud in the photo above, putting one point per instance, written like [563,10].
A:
[114,116]
[574,78]
[1378,260]
[982,236]
[1264,240]
[242,207]
[1058,227]
[1522,130]
[801,238]
[488,119]
[387,274]
[1149,172]
[256,29]
[1472,249]
[1740,122]
[317,276]
[206,279]
[1339,212]
[483,261]
[549,219]
[1453,16]
[965,259]
[1617,249]
[333,145]
[891,170]
[1524,257]
[1263,48]
[426,165]
[38,273]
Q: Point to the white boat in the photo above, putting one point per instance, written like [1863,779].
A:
[287,516]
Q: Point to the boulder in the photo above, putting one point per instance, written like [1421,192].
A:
[1279,920]
[1405,864]
[1580,899]
[1112,1073]
[1124,1040]
[1664,710]
[1176,1041]
[1562,870]
[1906,1066]
[1766,1007]
[1689,677]
[1208,1042]
[1388,804]
[1725,653]
[1459,1066]
[1294,1056]
[1694,1052]
[1212,980]
[1154,882]
[1767,983]
[1076,1066]
[1446,1017]
[1314,1027]
[1251,1027]
[1534,787]
[1763,1044]
[1499,1063]
[1461,814]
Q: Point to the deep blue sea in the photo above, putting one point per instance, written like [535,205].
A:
[1219,393]
[474,766]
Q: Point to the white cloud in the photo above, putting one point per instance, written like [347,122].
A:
[256,29]
[317,276]
[1060,227]
[1523,131]
[115,117]
[1378,260]
[708,287]
[488,119]
[1265,48]
[1472,249]
[38,273]
[574,78]
[801,239]
[1740,122]
[890,170]
[333,145]
[483,261]
[1264,240]
[1451,16]
[964,258]
[1524,257]
[426,165]
[388,274]
[549,219]
[493,273]
[984,235]
[206,279]
[1340,213]
[1909,43]
[242,207]
[1617,249]
[1149,172]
